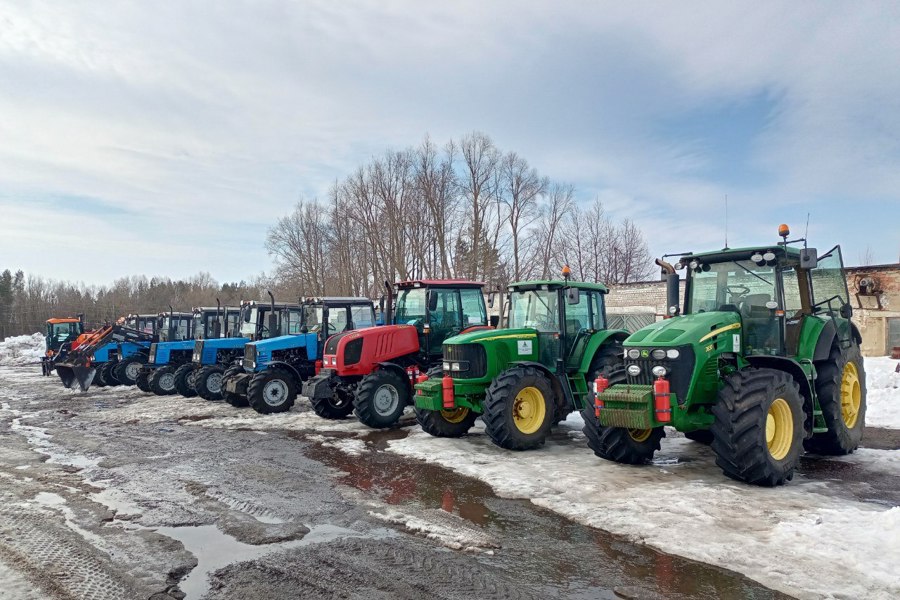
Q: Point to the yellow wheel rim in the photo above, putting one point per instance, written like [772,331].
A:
[640,435]
[851,395]
[779,429]
[455,415]
[529,410]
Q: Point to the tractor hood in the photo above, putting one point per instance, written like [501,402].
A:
[686,329]
[285,342]
[489,335]
[225,343]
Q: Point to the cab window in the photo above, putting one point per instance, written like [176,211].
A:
[473,310]
[362,316]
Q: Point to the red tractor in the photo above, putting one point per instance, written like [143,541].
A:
[373,370]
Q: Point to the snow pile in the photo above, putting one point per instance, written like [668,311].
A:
[21,350]
[806,539]
[883,398]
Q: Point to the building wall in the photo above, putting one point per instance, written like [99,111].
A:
[649,298]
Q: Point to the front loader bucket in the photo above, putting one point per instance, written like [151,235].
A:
[70,374]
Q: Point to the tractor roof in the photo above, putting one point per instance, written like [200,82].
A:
[55,320]
[176,314]
[337,300]
[558,283]
[213,309]
[736,253]
[464,283]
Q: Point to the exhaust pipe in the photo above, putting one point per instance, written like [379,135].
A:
[673,308]
[389,311]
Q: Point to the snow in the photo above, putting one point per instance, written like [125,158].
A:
[21,350]
[807,539]
[883,392]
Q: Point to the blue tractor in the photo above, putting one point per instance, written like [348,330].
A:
[274,370]
[211,357]
[205,322]
[175,335]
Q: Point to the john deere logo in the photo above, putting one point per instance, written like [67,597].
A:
[645,353]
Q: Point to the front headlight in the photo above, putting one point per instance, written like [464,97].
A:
[672,353]
[659,371]
[446,366]
[634,370]
[454,366]
[634,353]
[658,354]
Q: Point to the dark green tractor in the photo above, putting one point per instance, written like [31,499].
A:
[763,361]
[526,377]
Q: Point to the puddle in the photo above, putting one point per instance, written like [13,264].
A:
[215,550]
[57,502]
[115,501]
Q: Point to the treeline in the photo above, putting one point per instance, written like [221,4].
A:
[26,302]
[465,209]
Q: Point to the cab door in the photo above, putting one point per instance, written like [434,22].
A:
[830,295]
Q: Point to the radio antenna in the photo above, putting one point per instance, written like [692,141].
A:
[806,232]
[726,222]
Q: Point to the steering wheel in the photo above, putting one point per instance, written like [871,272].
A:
[737,290]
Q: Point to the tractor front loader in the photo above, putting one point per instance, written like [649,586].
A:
[98,347]
[526,377]
[62,335]
[762,362]
[372,371]
[274,369]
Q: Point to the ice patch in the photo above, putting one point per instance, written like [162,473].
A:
[883,392]
[695,512]
[445,528]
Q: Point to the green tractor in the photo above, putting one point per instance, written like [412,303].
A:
[762,362]
[526,377]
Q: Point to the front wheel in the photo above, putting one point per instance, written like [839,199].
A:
[380,398]
[143,380]
[109,373]
[183,380]
[337,406]
[451,423]
[620,444]
[235,400]
[272,391]
[758,427]
[128,369]
[162,382]
[519,408]
[208,382]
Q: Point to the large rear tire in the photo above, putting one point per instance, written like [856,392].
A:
[272,391]
[758,427]
[99,379]
[338,406]
[183,380]
[235,400]
[452,423]
[841,389]
[701,436]
[162,382]
[109,373]
[380,398]
[208,382]
[519,408]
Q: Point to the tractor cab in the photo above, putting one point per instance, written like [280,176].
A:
[62,330]
[262,320]
[210,322]
[175,326]
[145,323]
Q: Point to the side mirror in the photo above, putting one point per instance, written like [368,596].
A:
[572,295]
[490,301]
[808,258]
[381,304]
[245,314]
[846,311]
[494,321]
[432,300]
[273,325]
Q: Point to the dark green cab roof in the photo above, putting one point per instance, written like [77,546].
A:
[558,283]
[731,253]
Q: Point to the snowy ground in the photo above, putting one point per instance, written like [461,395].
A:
[883,399]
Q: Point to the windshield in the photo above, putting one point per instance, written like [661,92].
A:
[312,316]
[164,330]
[535,309]
[248,328]
[60,331]
[732,285]
[411,305]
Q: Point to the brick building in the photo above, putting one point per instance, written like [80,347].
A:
[874,294]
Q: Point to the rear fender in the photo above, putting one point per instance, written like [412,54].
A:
[598,340]
[779,363]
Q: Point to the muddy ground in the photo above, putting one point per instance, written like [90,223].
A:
[118,494]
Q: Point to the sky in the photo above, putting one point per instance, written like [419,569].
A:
[165,138]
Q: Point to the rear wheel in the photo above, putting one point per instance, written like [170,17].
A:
[380,398]
[758,427]
[208,382]
[184,380]
[272,391]
[143,380]
[338,406]
[128,369]
[451,423]
[235,400]
[162,382]
[519,408]
[841,389]
[99,379]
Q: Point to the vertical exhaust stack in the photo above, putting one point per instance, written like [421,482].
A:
[389,309]
[171,332]
[273,317]
[217,325]
[673,306]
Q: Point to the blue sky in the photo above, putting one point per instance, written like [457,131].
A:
[165,140]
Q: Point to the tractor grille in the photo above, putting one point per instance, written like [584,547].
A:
[679,371]
[353,352]
[473,354]
[332,343]
[250,357]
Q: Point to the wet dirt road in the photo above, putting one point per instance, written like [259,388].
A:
[118,494]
